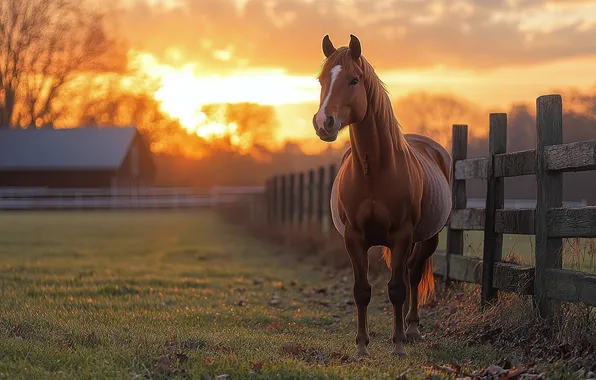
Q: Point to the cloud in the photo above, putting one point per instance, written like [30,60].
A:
[395,34]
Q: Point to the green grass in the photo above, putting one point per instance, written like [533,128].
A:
[98,295]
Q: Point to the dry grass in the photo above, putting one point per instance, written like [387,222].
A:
[511,324]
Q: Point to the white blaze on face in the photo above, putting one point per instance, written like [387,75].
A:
[321,116]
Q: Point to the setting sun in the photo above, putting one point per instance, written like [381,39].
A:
[184,90]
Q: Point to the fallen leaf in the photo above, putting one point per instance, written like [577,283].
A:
[256,367]
[209,361]
[515,372]
[273,326]
[438,367]
[494,371]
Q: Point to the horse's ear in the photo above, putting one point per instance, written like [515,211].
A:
[355,47]
[328,47]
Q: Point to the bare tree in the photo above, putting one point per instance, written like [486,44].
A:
[44,44]
[433,114]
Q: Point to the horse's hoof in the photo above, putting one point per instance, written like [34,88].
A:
[414,336]
[362,351]
[399,353]
[399,349]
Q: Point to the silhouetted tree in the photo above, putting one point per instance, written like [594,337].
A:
[44,44]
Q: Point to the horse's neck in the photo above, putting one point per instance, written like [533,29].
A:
[375,146]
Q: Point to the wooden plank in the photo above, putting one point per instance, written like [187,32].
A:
[515,164]
[269,200]
[467,219]
[461,268]
[571,286]
[291,198]
[548,255]
[459,151]
[515,221]
[495,197]
[471,168]
[283,196]
[321,196]
[575,156]
[275,200]
[514,278]
[567,222]
[300,204]
[507,277]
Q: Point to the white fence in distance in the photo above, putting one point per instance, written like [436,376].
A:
[121,198]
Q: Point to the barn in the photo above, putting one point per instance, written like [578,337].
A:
[85,157]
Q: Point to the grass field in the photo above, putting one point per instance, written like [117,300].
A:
[103,295]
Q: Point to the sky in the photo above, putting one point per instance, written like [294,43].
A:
[490,52]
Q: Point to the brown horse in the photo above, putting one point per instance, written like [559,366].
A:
[392,189]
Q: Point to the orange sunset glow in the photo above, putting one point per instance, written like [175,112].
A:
[187,56]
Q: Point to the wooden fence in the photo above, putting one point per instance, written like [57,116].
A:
[293,199]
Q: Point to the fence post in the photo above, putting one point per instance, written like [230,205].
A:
[291,199]
[332,174]
[495,196]
[267,200]
[320,196]
[274,200]
[548,255]
[301,200]
[283,200]
[459,151]
[310,199]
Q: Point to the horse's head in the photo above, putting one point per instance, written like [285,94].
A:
[343,96]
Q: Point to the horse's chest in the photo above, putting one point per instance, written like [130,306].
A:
[379,206]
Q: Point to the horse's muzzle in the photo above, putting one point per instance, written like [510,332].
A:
[330,129]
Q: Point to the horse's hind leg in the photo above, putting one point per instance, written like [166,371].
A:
[422,252]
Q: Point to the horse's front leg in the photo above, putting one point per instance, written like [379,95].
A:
[401,246]
[358,253]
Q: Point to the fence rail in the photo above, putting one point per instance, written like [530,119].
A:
[549,220]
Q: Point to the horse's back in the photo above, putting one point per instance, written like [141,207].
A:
[432,149]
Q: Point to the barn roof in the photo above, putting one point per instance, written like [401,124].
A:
[64,149]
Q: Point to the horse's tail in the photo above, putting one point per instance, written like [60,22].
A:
[426,288]
[387,256]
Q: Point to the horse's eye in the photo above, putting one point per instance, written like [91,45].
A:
[354,82]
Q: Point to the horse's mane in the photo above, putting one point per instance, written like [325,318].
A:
[377,94]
